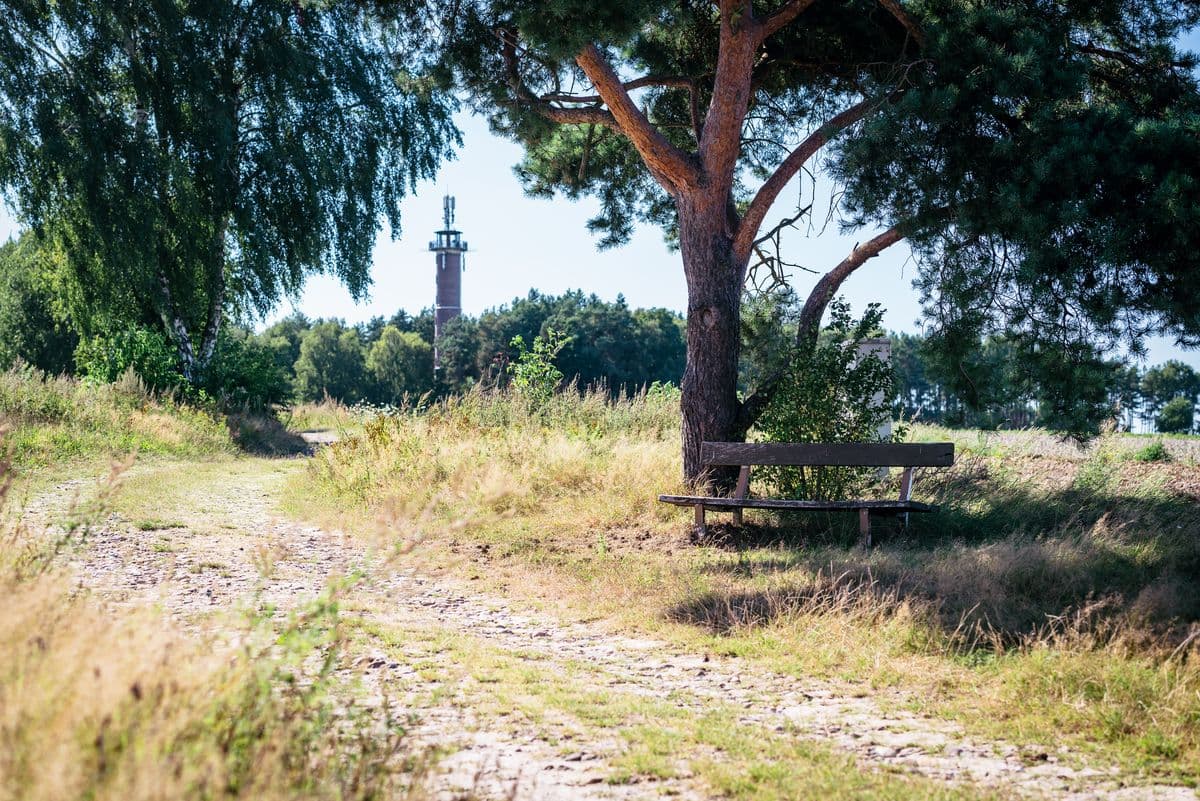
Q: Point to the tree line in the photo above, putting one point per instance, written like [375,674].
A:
[991,392]
[388,360]
[189,164]
[380,361]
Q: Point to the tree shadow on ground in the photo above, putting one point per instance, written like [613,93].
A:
[264,435]
[1000,564]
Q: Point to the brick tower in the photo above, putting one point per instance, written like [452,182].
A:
[449,247]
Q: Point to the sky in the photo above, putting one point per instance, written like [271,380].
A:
[518,243]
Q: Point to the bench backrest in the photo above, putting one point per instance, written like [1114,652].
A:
[849,454]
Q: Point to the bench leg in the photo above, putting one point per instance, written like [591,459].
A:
[701,529]
[864,526]
[737,517]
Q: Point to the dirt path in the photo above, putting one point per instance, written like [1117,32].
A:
[220,544]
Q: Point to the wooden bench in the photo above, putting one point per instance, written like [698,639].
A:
[857,454]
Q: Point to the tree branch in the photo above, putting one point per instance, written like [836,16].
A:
[781,17]
[722,131]
[669,165]
[526,96]
[756,212]
[810,319]
[670,81]
[894,8]
[819,297]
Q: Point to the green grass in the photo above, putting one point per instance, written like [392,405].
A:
[55,420]
[1044,602]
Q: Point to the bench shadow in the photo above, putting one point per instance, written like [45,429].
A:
[996,566]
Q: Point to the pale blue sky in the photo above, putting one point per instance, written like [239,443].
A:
[518,243]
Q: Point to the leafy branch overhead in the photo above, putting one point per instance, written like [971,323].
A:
[199,159]
[1037,156]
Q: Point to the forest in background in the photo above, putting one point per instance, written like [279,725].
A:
[389,361]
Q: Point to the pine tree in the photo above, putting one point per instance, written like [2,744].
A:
[1038,156]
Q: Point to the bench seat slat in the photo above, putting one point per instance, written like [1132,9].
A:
[840,454]
[815,506]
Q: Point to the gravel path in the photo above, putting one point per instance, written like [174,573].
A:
[233,546]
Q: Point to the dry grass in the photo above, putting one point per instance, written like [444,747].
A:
[59,419]
[1051,600]
[105,702]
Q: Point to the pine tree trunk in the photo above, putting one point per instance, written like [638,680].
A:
[714,281]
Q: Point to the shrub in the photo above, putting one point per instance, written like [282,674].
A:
[534,374]
[106,357]
[244,373]
[1154,452]
[831,394]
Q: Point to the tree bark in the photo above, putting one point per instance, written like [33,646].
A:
[216,298]
[709,402]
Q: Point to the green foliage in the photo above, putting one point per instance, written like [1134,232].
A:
[534,373]
[401,364]
[283,338]
[55,419]
[145,352]
[191,158]
[1163,383]
[608,342]
[32,328]
[244,373]
[457,353]
[1176,417]
[831,394]
[1044,187]
[1154,452]
[768,334]
[332,363]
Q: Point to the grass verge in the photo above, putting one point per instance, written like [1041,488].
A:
[1049,602]
[105,702]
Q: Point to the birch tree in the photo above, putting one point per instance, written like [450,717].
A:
[196,158]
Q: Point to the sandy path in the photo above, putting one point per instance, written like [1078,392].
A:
[234,548]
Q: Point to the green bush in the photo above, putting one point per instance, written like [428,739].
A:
[534,374]
[244,373]
[107,357]
[1154,452]
[830,395]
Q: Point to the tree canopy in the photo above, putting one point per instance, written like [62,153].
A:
[1039,156]
[196,158]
